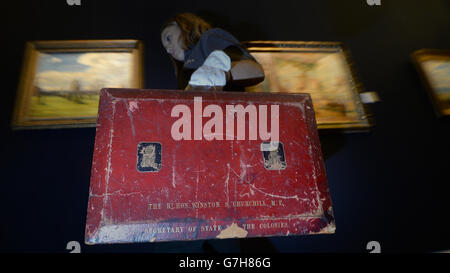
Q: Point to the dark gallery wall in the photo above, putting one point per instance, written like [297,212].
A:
[388,185]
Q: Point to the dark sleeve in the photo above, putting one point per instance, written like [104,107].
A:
[235,53]
[239,54]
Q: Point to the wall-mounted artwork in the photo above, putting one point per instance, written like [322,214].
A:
[61,80]
[323,70]
[434,69]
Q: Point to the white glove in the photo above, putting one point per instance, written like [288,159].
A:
[212,72]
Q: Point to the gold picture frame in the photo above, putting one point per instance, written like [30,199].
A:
[433,66]
[322,69]
[60,81]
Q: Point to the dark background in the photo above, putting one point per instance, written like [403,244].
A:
[389,185]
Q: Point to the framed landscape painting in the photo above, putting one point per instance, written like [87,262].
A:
[434,68]
[61,80]
[322,69]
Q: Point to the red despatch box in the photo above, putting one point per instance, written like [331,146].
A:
[176,165]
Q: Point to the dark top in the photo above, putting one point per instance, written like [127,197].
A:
[213,39]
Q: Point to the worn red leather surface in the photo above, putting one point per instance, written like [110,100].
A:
[148,187]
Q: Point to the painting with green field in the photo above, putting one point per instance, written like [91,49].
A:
[67,84]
